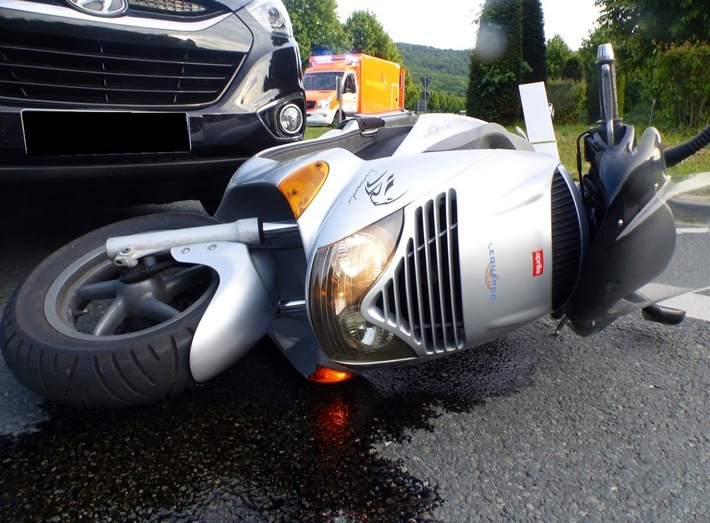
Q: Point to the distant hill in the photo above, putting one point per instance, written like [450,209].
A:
[448,68]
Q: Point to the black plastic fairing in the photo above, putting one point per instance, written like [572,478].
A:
[634,240]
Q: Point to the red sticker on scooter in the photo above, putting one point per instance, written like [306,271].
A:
[538,263]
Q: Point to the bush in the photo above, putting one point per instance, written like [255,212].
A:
[573,68]
[568,98]
[682,84]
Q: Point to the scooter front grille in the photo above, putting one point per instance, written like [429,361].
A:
[423,298]
[566,241]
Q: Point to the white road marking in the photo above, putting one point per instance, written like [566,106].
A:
[692,230]
[695,305]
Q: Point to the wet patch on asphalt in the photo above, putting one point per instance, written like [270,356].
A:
[258,443]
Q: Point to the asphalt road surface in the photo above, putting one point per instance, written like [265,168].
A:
[532,427]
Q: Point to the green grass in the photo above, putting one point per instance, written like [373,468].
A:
[699,162]
[315,132]
[567,147]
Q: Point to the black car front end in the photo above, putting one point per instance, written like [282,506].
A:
[152,100]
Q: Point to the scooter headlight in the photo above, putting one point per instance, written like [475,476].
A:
[342,274]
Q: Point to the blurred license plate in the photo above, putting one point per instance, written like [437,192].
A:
[54,133]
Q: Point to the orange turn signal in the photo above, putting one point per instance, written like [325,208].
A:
[302,185]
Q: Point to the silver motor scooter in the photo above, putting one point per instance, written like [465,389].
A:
[391,240]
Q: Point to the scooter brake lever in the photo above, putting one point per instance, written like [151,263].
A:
[661,314]
[657,313]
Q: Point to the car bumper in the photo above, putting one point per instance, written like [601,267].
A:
[89,99]
[46,152]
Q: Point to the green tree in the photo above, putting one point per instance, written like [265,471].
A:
[497,63]
[534,52]
[682,85]
[657,24]
[447,68]
[441,102]
[566,87]
[641,31]
[574,68]
[558,53]
[316,27]
[367,35]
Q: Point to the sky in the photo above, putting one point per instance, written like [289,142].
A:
[448,24]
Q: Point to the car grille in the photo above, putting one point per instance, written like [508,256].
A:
[83,71]
[170,6]
[424,295]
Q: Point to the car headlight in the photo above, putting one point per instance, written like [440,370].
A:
[324,104]
[342,274]
[272,14]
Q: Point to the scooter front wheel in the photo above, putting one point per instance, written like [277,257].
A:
[82,332]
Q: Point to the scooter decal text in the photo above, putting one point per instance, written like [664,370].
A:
[492,273]
[538,263]
[435,130]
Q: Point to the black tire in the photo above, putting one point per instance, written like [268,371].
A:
[137,357]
